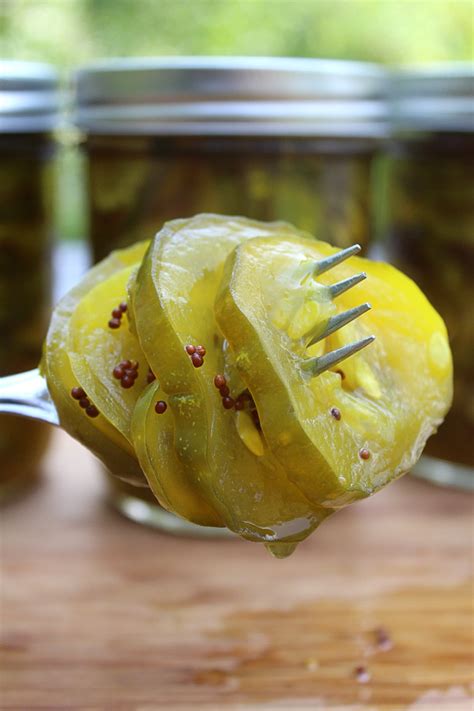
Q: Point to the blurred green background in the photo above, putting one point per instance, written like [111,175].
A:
[68,33]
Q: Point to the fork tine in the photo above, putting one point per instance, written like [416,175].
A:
[329,262]
[341,286]
[340,320]
[319,364]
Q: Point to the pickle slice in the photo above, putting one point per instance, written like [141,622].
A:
[95,433]
[345,433]
[154,440]
[95,351]
[173,306]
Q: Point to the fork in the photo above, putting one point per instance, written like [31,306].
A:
[26,394]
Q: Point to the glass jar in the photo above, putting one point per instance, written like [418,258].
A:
[268,138]
[431,235]
[290,139]
[28,107]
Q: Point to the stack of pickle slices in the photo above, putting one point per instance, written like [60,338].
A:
[189,365]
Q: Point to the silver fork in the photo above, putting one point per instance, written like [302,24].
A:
[26,394]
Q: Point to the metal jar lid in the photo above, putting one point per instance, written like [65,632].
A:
[28,97]
[433,98]
[231,96]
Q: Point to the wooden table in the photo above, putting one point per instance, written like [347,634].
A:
[100,613]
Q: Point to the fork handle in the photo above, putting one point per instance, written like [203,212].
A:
[26,394]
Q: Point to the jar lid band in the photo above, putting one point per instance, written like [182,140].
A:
[437,98]
[29,100]
[231,95]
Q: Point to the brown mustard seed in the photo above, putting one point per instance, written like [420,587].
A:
[127,382]
[123,307]
[219,381]
[224,391]
[161,407]
[364,453]
[150,376]
[116,313]
[92,411]
[125,364]
[228,403]
[201,351]
[336,413]
[114,323]
[78,393]
[118,372]
[131,373]
[197,360]
[84,402]
[240,403]
[190,349]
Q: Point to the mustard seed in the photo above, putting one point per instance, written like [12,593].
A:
[197,360]
[127,382]
[219,381]
[228,403]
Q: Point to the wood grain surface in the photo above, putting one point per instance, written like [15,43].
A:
[100,613]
